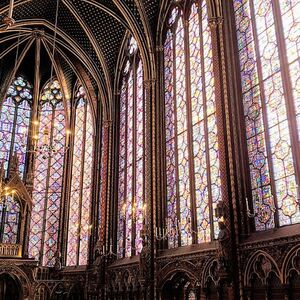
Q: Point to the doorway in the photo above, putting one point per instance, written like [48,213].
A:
[177,288]
[10,288]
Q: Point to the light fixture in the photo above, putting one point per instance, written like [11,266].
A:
[5,191]
[43,144]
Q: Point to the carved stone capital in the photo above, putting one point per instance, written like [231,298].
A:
[149,83]
[107,123]
[215,22]
[160,48]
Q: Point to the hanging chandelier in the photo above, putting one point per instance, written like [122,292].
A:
[5,191]
[42,143]
[43,138]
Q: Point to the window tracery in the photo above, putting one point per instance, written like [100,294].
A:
[48,176]
[14,122]
[79,224]
[131,155]
[192,153]
[268,45]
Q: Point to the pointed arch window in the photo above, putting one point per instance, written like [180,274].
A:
[81,196]
[191,137]
[131,155]
[269,55]
[48,176]
[14,122]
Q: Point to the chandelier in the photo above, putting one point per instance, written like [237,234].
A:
[41,139]
[47,139]
[41,144]
[5,191]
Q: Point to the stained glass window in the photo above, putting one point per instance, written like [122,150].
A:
[10,213]
[14,122]
[268,45]
[131,156]
[192,153]
[48,176]
[80,199]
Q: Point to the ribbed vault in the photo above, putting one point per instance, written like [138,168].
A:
[89,37]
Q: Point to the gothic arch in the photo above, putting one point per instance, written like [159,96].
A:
[89,97]
[210,272]
[12,282]
[173,268]
[60,288]
[143,40]
[75,289]
[291,264]
[66,42]
[262,265]
[18,274]
[41,287]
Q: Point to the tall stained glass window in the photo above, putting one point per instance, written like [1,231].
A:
[10,213]
[80,199]
[192,154]
[269,53]
[131,155]
[48,176]
[14,122]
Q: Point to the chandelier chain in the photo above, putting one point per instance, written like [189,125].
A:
[54,39]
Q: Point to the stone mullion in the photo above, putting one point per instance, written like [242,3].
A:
[83,148]
[61,245]
[49,161]
[187,58]
[134,158]
[68,186]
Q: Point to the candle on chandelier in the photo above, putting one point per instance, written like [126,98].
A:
[247,205]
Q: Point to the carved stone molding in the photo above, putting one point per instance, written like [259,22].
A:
[149,83]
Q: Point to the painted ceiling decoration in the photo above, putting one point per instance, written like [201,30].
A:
[90,34]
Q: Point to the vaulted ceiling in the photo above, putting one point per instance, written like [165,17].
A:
[89,34]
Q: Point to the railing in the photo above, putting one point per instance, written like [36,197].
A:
[10,250]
